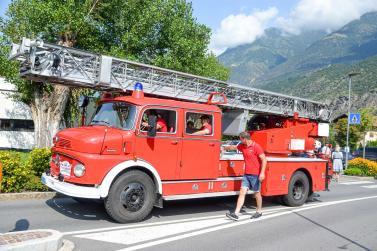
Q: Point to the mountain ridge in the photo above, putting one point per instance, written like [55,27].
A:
[313,64]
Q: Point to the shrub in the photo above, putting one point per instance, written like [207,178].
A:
[38,160]
[15,176]
[353,171]
[19,175]
[35,184]
[367,167]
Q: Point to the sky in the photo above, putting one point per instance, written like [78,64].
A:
[237,22]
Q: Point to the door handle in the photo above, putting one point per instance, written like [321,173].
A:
[174,142]
[211,144]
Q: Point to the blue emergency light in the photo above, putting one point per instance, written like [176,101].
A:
[138,87]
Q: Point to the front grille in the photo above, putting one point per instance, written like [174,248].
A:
[64,143]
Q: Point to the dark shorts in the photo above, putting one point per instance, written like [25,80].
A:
[251,182]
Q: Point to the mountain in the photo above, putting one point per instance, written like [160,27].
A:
[252,61]
[311,65]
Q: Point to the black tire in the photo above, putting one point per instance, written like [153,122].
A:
[131,197]
[298,190]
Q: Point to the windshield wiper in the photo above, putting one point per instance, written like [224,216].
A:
[100,121]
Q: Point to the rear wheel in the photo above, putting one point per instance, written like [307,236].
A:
[298,190]
[131,197]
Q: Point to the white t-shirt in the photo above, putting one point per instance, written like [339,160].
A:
[326,150]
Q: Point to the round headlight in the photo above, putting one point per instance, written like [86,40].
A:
[79,170]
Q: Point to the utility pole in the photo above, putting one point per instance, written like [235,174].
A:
[350,75]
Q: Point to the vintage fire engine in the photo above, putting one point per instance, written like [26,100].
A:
[133,168]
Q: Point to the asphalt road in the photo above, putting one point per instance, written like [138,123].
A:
[344,218]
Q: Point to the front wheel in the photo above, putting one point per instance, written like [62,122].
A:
[298,190]
[131,197]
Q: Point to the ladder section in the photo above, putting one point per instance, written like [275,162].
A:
[43,62]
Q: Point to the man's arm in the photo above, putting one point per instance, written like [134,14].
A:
[201,132]
[230,148]
[262,174]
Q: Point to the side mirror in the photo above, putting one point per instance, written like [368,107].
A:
[152,123]
[83,101]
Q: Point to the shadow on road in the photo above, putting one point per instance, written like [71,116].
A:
[21,225]
[94,210]
[83,210]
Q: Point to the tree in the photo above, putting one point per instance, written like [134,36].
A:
[159,32]
[357,132]
[340,131]
[366,124]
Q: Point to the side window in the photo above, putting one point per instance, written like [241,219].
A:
[198,123]
[166,120]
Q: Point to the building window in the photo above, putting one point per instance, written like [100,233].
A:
[16,125]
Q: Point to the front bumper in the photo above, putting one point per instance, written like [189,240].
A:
[71,189]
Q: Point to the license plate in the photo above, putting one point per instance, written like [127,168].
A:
[65,168]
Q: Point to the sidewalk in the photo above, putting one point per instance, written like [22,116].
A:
[38,239]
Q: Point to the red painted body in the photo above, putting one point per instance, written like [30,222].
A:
[186,164]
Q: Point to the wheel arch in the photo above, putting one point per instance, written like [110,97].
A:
[126,166]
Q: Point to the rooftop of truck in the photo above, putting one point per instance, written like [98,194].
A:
[163,102]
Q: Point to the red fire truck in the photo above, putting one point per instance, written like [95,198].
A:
[133,167]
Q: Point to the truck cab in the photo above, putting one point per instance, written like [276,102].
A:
[88,161]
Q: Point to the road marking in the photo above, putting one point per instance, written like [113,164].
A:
[138,225]
[371,186]
[356,182]
[143,233]
[234,224]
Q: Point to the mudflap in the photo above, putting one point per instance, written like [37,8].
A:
[159,201]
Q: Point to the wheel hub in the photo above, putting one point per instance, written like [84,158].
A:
[298,190]
[132,196]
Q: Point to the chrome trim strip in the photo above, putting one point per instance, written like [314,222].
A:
[202,195]
[238,156]
[192,181]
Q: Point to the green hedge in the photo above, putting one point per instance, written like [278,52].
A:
[24,175]
[353,171]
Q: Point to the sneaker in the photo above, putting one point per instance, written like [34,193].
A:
[232,216]
[256,215]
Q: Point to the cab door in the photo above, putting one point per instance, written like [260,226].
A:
[160,151]
[200,153]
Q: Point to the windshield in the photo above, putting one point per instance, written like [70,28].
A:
[116,114]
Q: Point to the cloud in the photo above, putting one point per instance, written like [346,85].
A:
[241,29]
[328,15]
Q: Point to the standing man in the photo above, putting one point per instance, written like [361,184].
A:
[255,166]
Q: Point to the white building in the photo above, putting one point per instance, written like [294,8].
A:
[16,124]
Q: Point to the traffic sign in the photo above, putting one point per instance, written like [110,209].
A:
[354,119]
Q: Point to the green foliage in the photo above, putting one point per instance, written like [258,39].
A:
[23,174]
[366,167]
[34,184]
[357,132]
[340,131]
[15,176]
[38,160]
[158,32]
[372,143]
[354,171]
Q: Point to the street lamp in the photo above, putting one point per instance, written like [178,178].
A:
[350,75]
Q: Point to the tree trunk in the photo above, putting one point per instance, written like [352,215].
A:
[47,112]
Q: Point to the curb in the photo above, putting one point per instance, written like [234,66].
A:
[37,240]
[28,195]
[358,177]
[67,245]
